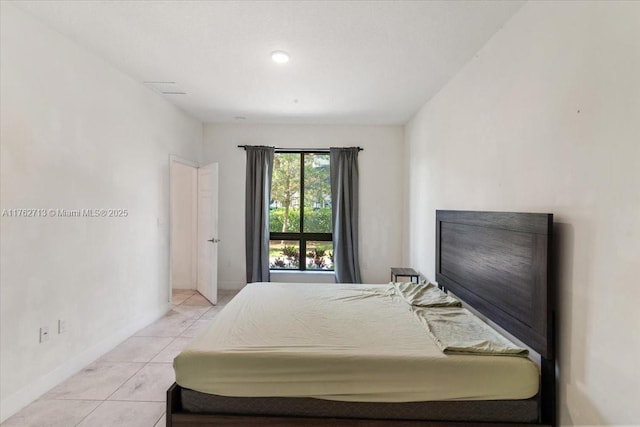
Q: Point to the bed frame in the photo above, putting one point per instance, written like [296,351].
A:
[498,264]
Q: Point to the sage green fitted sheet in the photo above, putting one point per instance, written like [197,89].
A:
[356,343]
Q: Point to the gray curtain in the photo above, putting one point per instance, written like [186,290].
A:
[258,189]
[344,213]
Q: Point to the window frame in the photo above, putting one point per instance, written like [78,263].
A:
[301,236]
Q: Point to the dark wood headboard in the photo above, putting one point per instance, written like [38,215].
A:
[498,263]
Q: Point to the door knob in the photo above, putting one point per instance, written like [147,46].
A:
[213,240]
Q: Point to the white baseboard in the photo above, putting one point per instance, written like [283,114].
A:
[184,286]
[15,402]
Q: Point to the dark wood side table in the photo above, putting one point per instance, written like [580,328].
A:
[404,272]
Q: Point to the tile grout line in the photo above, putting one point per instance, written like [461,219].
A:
[135,373]
[189,322]
[134,401]
[90,412]
[125,381]
[158,420]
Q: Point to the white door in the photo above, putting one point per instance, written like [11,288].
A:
[207,283]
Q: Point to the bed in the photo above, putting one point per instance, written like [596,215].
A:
[262,361]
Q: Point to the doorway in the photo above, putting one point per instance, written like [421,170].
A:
[193,234]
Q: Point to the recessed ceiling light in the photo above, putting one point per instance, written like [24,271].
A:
[280,57]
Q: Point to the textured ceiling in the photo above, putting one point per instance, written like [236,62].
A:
[352,62]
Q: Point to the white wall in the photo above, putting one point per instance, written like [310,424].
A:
[77,133]
[546,118]
[381,184]
[184,225]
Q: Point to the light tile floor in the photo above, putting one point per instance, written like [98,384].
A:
[127,386]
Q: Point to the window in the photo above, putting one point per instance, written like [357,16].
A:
[300,212]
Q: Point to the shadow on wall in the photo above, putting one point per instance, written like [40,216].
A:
[572,324]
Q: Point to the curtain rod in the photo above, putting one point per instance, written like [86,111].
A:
[298,150]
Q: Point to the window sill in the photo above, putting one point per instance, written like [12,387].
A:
[272,271]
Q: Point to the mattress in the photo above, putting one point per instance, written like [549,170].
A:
[352,343]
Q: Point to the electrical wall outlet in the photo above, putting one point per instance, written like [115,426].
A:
[62,326]
[44,334]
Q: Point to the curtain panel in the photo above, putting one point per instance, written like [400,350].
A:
[258,194]
[344,207]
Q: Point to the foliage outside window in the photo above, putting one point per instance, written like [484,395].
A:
[300,212]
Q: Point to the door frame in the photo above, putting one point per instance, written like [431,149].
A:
[173,158]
